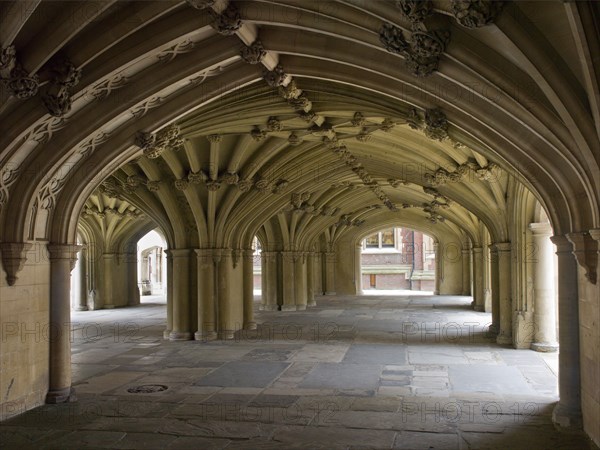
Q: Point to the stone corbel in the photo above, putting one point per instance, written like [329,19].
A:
[14,255]
[585,250]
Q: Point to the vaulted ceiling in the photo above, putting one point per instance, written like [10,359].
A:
[214,117]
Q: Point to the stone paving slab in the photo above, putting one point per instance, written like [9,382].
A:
[358,377]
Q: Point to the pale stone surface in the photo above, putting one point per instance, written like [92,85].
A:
[258,395]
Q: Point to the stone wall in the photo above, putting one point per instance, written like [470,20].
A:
[24,349]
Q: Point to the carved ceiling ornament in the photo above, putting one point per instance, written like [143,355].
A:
[196,177]
[230,178]
[293,139]
[245,185]
[153,145]
[476,13]
[254,53]
[275,77]
[213,185]
[422,51]
[228,22]
[436,124]
[200,4]
[257,134]
[273,124]
[18,80]
[57,97]
[153,186]
[415,10]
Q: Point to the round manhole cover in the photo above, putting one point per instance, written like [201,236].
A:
[147,388]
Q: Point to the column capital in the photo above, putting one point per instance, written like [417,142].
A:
[248,253]
[595,234]
[477,249]
[63,251]
[14,255]
[585,250]
[563,245]
[180,252]
[541,229]
[503,246]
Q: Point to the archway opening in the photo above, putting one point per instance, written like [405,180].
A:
[152,266]
[398,259]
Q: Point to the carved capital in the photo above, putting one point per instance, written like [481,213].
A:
[214,138]
[585,250]
[14,255]
[64,251]
[475,13]
[275,77]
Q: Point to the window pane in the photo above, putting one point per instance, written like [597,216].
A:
[387,238]
[372,241]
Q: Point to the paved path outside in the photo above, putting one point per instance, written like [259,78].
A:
[370,372]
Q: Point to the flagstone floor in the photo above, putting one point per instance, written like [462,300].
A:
[369,372]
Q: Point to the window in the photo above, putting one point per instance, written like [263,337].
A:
[383,239]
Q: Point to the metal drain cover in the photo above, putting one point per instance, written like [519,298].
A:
[147,389]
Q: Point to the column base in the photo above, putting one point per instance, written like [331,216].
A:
[226,335]
[300,307]
[329,293]
[288,307]
[503,339]
[250,326]
[269,307]
[479,308]
[81,308]
[313,303]
[436,292]
[65,395]
[180,336]
[544,347]
[166,334]
[109,306]
[205,335]
[567,419]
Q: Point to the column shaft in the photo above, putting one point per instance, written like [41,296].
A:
[108,281]
[505,335]
[544,311]
[289,297]
[466,272]
[269,281]
[225,310]
[62,261]
[83,289]
[330,273]
[478,268]
[300,281]
[206,296]
[495,288]
[181,295]
[310,279]
[567,413]
[248,276]
[169,292]
[438,268]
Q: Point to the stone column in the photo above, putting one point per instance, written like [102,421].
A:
[206,296]
[133,291]
[310,279]
[181,295]
[358,268]
[300,281]
[466,272]
[169,292]
[62,261]
[567,413]
[544,312]
[478,268]
[269,281]
[82,304]
[110,263]
[495,288]
[248,262]
[504,293]
[287,266]
[330,273]
[438,268]
[224,315]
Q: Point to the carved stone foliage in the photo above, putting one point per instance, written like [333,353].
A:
[443,176]
[436,124]
[422,51]
[14,255]
[228,22]
[253,54]
[58,93]
[153,145]
[12,74]
[415,10]
[200,4]
[290,91]
[475,13]
[275,77]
